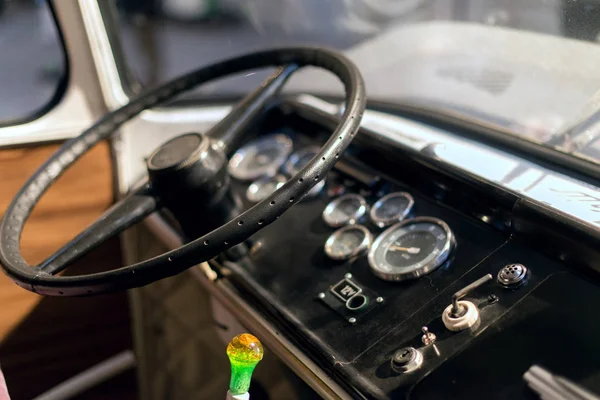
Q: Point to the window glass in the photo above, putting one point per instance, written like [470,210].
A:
[165,38]
[526,66]
[32,63]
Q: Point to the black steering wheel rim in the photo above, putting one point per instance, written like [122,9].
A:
[213,243]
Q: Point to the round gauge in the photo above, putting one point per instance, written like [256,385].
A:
[346,209]
[348,242]
[411,249]
[298,160]
[261,157]
[262,188]
[391,208]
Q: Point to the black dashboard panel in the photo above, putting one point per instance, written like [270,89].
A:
[283,269]
[290,264]
[549,327]
[451,345]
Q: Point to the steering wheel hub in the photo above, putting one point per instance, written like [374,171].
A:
[178,153]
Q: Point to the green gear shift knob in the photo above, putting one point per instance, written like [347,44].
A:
[244,351]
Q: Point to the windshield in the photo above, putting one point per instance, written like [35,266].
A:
[527,66]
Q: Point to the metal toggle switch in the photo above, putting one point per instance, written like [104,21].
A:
[462,314]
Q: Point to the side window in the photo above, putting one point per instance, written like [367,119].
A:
[33,61]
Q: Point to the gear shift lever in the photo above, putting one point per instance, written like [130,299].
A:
[244,351]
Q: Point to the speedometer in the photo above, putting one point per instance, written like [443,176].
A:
[411,249]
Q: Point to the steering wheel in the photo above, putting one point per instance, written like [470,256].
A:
[221,140]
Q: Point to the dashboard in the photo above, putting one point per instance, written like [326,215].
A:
[398,276]
[429,263]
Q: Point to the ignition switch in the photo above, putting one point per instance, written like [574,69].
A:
[406,360]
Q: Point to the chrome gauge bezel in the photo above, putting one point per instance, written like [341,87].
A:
[358,214]
[238,171]
[423,268]
[256,185]
[384,222]
[360,249]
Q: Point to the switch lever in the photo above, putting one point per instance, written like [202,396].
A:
[457,309]
[462,314]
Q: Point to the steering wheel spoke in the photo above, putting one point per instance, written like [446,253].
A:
[125,213]
[228,132]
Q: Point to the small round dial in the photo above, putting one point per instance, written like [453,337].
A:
[262,188]
[261,157]
[411,249]
[391,208]
[346,209]
[298,160]
[348,242]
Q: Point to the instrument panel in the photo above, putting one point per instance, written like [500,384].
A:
[409,248]
[378,282]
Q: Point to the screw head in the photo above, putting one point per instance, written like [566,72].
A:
[379,299]
[352,320]
[348,275]
[321,295]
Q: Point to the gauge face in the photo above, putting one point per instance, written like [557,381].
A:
[348,242]
[262,188]
[411,249]
[261,157]
[298,160]
[391,208]
[346,209]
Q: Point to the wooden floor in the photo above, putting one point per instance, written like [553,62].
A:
[46,340]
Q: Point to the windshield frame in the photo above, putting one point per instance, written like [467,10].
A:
[480,130]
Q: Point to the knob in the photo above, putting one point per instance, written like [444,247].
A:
[462,314]
[244,351]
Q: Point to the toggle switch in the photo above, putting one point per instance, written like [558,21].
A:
[463,314]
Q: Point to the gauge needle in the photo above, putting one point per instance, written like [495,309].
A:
[411,250]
